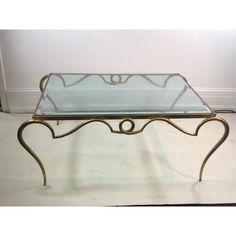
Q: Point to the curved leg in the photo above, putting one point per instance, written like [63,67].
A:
[28,149]
[217,145]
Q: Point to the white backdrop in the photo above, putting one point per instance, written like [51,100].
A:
[206,58]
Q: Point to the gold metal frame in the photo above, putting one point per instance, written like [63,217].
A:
[122,130]
[45,78]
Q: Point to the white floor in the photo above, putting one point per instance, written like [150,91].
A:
[96,167]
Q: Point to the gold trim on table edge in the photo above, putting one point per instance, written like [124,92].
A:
[117,117]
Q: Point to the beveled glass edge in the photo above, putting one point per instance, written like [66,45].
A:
[85,117]
[204,103]
[116,117]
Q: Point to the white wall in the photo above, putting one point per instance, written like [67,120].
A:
[206,58]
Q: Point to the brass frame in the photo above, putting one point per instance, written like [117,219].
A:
[122,130]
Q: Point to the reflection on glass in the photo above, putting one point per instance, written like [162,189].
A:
[110,94]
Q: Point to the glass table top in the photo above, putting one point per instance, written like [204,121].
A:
[119,95]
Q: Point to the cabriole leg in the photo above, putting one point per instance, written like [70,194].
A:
[28,149]
[217,145]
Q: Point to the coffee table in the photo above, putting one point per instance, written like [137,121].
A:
[125,97]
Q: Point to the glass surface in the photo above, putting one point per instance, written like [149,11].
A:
[118,95]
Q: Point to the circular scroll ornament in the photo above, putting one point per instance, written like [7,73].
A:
[125,130]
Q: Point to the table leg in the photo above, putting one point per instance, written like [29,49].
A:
[28,149]
[217,145]
[214,148]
